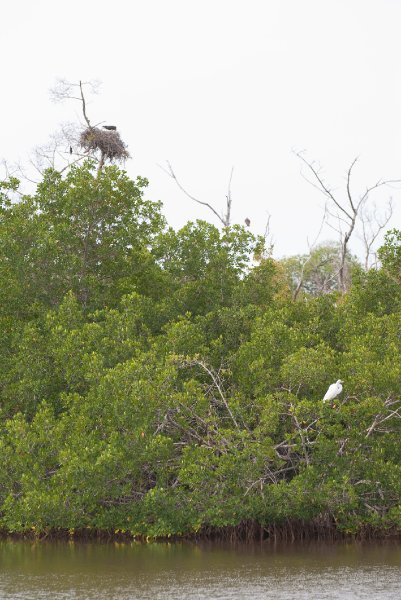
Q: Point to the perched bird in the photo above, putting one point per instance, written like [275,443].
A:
[70,150]
[247,222]
[110,127]
[334,390]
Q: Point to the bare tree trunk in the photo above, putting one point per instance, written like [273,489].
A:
[100,165]
[83,104]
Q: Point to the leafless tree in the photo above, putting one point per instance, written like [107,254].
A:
[372,224]
[225,217]
[63,149]
[345,210]
[100,143]
[67,90]
[71,144]
[268,237]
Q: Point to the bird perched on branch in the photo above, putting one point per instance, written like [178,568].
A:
[247,222]
[334,390]
[110,127]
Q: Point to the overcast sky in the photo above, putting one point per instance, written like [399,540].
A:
[211,84]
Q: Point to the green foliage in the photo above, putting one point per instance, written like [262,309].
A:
[155,382]
[81,233]
[390,253]
[317,273]
[204,265]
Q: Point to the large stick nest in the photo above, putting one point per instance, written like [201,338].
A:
[108,142]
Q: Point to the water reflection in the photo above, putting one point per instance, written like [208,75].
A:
[183,570]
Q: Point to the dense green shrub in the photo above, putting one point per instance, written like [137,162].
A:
[157,382]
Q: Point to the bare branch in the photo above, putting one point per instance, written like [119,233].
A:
[372,225]
[226,223]
[66,90]
[266,232]
[322,186]
[349,184]
[381,418]
[227,217]
[268,244]
[84,104]
[349,211]
[215,377]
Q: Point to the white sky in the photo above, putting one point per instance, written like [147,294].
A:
[208,84]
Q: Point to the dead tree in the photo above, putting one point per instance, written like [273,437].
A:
[225,217]
[62,150]
[268,238]
[102,144]
[373,223]
[346,210]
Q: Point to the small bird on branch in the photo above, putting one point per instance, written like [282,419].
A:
[247,222]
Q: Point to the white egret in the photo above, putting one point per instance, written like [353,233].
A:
[334,390]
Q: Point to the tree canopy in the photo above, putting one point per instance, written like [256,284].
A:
[163,382]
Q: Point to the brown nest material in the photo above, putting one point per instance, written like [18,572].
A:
[109,143]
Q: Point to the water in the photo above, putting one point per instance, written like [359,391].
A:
[206,571]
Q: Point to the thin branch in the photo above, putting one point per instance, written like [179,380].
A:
[323,187]
[83,104]
[225,220]
[267,227]
[380,418]
[370,233]
[346,216]
[73,162]
[337,217]
[349,184]
[216,381]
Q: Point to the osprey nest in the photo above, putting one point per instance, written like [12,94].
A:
[108,142]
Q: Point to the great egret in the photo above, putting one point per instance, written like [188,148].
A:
[334,390]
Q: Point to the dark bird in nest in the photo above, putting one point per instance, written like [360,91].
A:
[247,222]
[110,127]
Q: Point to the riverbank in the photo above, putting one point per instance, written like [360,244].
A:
[291,531]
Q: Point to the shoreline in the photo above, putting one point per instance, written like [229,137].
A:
[291,532]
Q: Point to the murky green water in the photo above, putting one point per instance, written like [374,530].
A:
[179,571]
